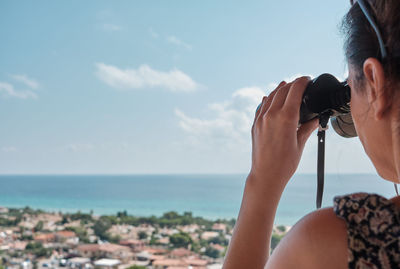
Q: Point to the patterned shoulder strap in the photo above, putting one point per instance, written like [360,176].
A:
[373,230]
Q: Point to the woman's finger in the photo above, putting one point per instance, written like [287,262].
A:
[267,104]
[295,95]
[271,98]
[267,101]
[279,98]
[258,110]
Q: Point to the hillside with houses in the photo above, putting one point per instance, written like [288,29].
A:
[38,239]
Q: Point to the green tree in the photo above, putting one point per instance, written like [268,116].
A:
[64,220]
[114,239]
[122,214]
[170,215]
[275,240]
[10,221]
[188,214]
[80,232]
[219,240]
[153,241]
[136,267]
[101,227]
[83,217]
[38,227]
[180,240]
[142,235]
[281,228]
[212,252]
[195,247]
[37,249]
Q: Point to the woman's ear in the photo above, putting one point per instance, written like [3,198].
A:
[378,94]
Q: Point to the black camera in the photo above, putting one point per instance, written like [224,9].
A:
[326,98]
[325,95]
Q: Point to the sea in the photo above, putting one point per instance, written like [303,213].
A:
[209,196]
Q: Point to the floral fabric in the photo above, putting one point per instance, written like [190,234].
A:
[373,230]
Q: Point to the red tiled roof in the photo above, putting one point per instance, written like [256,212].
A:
[181,252]
[19,245]
[218,247]
[89,247]
[155,250]
[131,242]
[113,247]
[157,257]
[102,247]
[44,237]
[66,234]
[169,262]
[196,262]
[219,226]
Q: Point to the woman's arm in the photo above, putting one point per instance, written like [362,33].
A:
[277,147]
[250,244]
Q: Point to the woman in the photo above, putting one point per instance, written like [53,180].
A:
[361,230]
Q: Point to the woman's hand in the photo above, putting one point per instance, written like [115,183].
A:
[277,148]
[277,140]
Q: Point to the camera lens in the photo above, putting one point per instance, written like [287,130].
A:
[344,126]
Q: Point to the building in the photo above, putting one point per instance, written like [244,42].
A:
[219,227]
[209,235]
[134,244]
[107,263]
[45,238]
[168,263]
[3,210]
[181,253]
[107,250]
[79,263]
[68,237]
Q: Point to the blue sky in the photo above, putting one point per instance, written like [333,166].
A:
[156,86]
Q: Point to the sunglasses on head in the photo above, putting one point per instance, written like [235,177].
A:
[364,9]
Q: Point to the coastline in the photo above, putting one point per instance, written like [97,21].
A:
[209,196]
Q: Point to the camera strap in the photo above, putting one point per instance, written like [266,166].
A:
[323,126]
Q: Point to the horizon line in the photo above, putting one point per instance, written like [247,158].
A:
[163,174]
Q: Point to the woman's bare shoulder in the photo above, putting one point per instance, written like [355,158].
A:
[318,240]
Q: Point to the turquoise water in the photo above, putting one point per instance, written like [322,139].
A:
[211,196]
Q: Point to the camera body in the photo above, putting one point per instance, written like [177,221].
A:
[326,95]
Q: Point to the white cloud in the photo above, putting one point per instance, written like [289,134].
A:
[143,77]
[31,83]
[232,119]
[9,91]
[231,122]
[109,27]
[176,41]
[228,130]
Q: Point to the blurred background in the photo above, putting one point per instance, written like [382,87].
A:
[159,87]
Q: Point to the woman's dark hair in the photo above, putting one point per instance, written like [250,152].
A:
[361,41]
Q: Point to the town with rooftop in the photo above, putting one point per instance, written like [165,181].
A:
[31,239]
